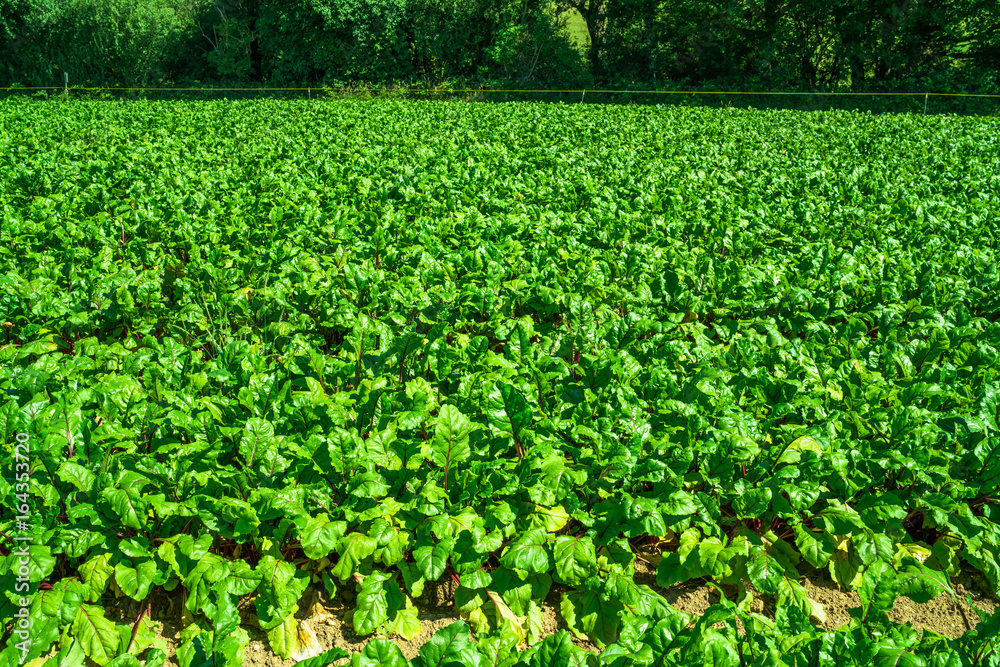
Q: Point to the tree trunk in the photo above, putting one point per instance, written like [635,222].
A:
[650,42]
[597,22]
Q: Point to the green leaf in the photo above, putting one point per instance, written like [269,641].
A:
[432,559]
[136,582]
[555,650]
[404,622]
[352,549]
[412,578]
[792,593]
[508,411]
[320,536]
[922,584]
[637,599]
[575,559]
[500,648]
[226,619]
[125,660]
[284,637]
[372,609]
[451,438]
[666,636]
[38,560]
[529,553]
[476,579]
[230,648]
[98,635]
[753,504]
[196,652]
[279,591]
[764,570]
[257,436]
[713,556]
[242,579]
[71,656]
[381,652]
[130,507]
[325,659]
[76,475]
[817,549]
[140,637]
[586,613]
[879,587]
[846,568]
[552,519]
[449,646]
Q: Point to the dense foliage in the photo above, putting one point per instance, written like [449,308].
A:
[264,347]
[942,45]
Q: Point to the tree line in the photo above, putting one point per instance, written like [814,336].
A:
[952,45]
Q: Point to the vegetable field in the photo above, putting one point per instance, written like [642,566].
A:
[258,355]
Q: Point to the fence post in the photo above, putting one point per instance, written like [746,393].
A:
[925,104]
[66,84]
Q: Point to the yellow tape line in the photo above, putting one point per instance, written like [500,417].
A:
[491,90]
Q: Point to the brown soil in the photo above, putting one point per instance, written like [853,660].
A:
[942,614]
[322,618]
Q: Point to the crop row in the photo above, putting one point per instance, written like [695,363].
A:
[260,348]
